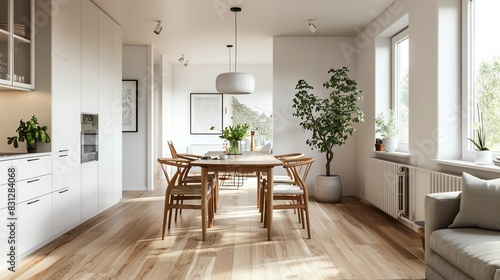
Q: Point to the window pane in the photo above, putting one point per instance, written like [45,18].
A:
[402,75]
[486,71]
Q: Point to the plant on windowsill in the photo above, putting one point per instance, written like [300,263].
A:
[331,122]
[483,154]
[234,134]
[388,129]
[32,133]
[378,144]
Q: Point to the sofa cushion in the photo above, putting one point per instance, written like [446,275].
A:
[479,204]
[475,251]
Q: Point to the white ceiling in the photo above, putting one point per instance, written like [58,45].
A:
[201,29]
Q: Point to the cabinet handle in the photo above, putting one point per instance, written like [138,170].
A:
[33,159]
[63,151]
[63,155]
[32,181]
[64,191]
[31,202]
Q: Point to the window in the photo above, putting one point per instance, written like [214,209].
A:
[481,73]
[400,78]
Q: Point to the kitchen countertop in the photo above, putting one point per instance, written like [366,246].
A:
[15,155]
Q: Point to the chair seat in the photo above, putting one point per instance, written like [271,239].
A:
[286,190]
[282,179]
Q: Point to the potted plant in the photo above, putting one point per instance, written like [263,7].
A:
[483,154]
[378,144]
[32,133]
[388,129]
[331,122]
[234,134]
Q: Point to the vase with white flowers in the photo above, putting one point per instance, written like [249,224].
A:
[483,154]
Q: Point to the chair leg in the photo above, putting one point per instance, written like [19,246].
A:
[306,209]
[170,212]
[165,211]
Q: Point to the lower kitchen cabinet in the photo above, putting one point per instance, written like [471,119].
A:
[66,210]
[35,222]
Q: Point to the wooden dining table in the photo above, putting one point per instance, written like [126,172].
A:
[247,163]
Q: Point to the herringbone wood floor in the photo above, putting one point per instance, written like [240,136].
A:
[350,240]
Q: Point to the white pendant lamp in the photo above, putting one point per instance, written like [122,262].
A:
[235,82]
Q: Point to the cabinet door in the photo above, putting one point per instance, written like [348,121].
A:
[32,167]
[66,209]
[66,105]
[4,231]
[90,189]
[117,113]
[35,222]
[90,57]
[105,112]
[66,29]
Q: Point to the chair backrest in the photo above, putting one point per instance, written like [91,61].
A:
[289,156]
[181,166]
[299,168]
[173,152]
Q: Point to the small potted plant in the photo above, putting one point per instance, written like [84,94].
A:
[388,129]
[483,154]
[378,144]
[32,132]
[234,134]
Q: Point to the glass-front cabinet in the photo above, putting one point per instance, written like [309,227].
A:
[17,44]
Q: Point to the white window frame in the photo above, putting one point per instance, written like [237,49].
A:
[404,34]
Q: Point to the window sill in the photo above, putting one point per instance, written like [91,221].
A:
[394,154]
[469,164]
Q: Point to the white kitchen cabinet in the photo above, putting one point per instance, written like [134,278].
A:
[32,166]
[33,187]
[105,111]
[117,113]
[66,29]
[17,44]
[90,189]
[66,191]
[4,231]
[90,57]
[34,222]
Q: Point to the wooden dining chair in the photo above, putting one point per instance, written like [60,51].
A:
[277,179]
[194,179]
[178,191]
[296,194]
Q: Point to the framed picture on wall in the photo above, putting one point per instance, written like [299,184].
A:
[129,105]
[206,111]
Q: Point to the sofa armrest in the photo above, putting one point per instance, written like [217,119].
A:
[440,211]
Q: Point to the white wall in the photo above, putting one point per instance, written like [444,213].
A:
[310,58]
[135,144]
[200,78]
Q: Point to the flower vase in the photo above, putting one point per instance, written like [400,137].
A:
[234,147]
[483,157]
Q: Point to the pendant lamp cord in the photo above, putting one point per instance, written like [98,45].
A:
[235,41]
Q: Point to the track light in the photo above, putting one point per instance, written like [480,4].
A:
[181,59]
[311,26]
[158,28]
[186,63]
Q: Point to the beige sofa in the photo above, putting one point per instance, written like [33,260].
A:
[462,231]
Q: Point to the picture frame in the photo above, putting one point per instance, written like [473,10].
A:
[129,105]
[206,110]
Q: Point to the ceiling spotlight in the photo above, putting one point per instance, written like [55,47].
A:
[181,59]
[158,28]
[311,26]
[186,63]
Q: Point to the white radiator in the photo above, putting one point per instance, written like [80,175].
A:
[399,189]
[441,182]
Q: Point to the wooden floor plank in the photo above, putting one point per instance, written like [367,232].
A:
[350,240]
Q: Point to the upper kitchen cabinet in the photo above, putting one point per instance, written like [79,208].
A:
[17,44]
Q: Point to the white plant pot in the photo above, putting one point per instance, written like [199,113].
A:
[328,189]
[483,157]
[390,144]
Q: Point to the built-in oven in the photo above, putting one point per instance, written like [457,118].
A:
[90,137]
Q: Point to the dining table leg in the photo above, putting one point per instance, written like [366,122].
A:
[269,204]
[204,188]
[259,186]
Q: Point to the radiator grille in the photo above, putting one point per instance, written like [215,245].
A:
[381,181]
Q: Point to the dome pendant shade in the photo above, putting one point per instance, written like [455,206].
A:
[235,83]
